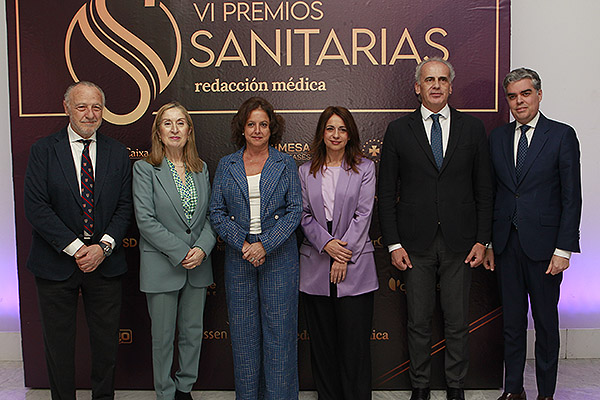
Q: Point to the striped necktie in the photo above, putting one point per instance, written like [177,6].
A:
[87,189]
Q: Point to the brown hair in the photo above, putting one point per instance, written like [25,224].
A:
[276,121]
[352,152]
[192,161]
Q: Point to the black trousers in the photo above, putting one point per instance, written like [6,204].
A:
[520,278]
[58,309]
[340,347]
[438,261]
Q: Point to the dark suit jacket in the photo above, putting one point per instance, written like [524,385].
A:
[53,204]
[548,196]
[415,198]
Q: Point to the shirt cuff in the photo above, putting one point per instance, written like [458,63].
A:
[72,248]
[394,246]
[562,253]
[108,239]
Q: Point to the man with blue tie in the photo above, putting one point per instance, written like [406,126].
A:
[435,210]
[78,201]
[537,210]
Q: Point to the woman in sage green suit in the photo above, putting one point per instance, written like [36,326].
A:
[171,193]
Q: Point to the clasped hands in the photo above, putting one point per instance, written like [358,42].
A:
[340,255]
[89,257]
[254,253]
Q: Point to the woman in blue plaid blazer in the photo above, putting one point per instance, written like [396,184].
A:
[256,205]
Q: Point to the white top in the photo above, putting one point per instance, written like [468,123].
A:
[328,185]
[254,195]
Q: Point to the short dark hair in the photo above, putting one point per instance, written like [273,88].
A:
[276,121]
[522,73]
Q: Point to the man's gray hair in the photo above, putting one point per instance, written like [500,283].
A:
[438,59]
[522,73]
[83,83]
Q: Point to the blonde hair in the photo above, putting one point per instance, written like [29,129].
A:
[191,158]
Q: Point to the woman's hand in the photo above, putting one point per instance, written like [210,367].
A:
[338,272]
[254,253]
[336,250]
[193,258]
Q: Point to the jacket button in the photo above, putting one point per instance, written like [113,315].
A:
[188,230]
[276,217]
[232,217]
[517,196]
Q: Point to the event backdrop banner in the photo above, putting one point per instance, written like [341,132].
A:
[300,55]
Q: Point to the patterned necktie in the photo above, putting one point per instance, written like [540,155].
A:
[521,150]
[87,188]
[436,140]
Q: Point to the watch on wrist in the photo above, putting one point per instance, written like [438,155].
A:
[106,248]
[485,244]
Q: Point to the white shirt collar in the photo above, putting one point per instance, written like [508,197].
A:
[74,136]
[426,113]
[532,124]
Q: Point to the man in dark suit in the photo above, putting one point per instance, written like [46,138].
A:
[78,200]
[435,207]
[535,162]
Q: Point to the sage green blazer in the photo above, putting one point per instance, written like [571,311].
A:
[166,236]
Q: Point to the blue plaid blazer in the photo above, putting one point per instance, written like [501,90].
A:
[280,200]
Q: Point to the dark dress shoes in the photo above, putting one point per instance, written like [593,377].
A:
[420,394]
[513,396]
[545,398]
[455,394]
[183,395]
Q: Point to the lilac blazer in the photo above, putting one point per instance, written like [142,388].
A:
[353,208]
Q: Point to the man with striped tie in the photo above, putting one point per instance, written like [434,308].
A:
[78,201]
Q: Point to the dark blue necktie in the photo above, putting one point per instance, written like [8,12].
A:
[87,189]
[521,150]
[436,140]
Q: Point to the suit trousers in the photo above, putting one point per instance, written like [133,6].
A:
[183,309]
[58,302]
[263,320]
[438,262]
[340,344]
[520,277]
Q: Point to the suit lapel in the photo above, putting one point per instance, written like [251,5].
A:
[269,177]
[315,195]
[540,136]
[165,178]
[201,196]
[238,172]
[62,147]
[508,147]
[418,130]
[456,123]
[102,158]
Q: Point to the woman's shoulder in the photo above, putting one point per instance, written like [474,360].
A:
[142,165]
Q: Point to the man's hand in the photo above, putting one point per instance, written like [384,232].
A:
[400,259]
[338,272]
[336,250]
[488,261]
[89,257]
[193,258]
[557,265]
[476,255]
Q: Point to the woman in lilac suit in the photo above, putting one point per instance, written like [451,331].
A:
[337,267]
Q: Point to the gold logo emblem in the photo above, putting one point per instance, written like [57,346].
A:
[122,52]
[372,149]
